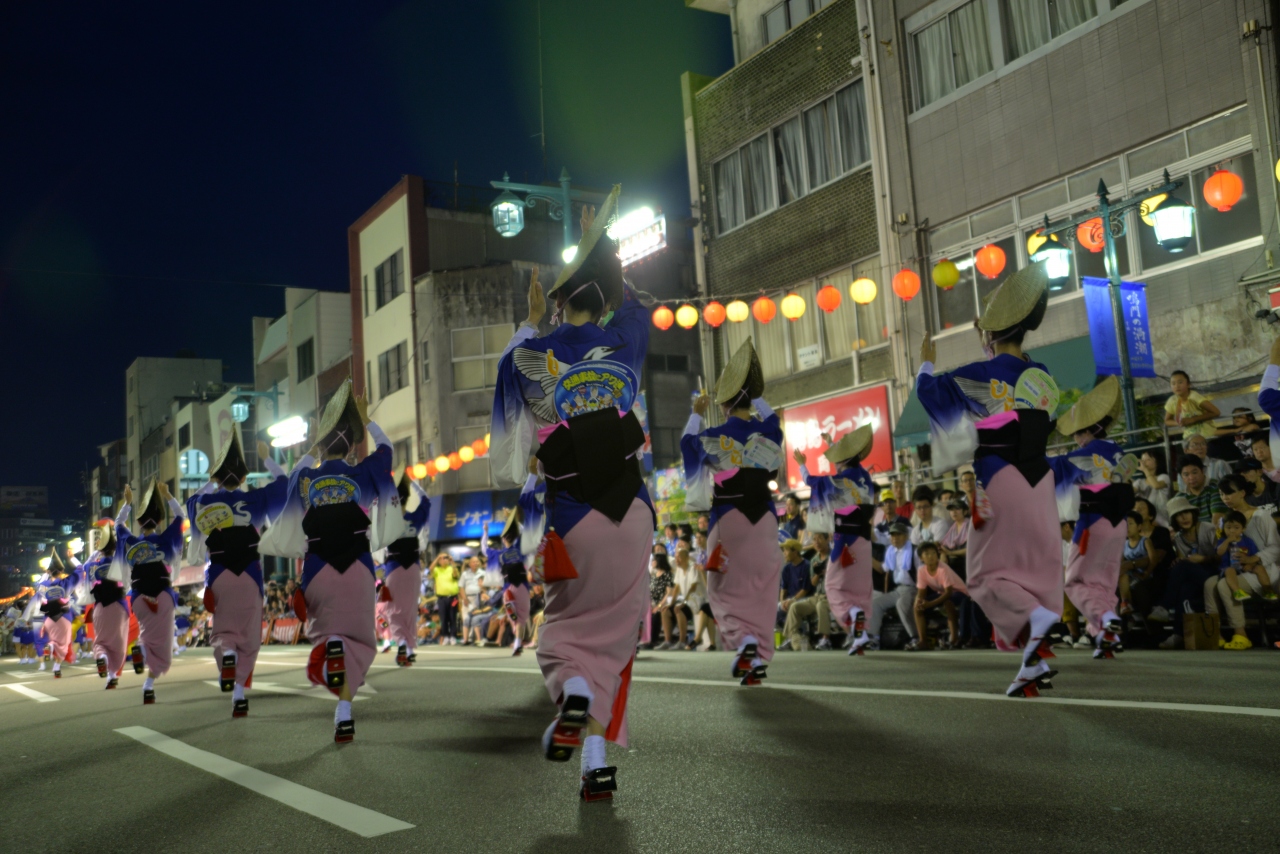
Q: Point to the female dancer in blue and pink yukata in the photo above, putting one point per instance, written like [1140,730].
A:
[600,519]
[109,613]
[334,516]
[996,411]
[843,505]
[727,470]
[226,523]
[402,575]
[149,559]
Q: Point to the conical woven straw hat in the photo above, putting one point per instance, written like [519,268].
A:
[1015,298]
[851,446]
[590,238]
[742,372]
[1102,401]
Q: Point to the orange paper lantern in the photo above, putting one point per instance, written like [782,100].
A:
[479,447]
[431,469]
[828,298]
[764,309]
[663,317]
[455,461]
[687,316]
[1223,189]
[713,314]
[990,260]
[1090,236]
[737,311]
[793,307]
[906,284]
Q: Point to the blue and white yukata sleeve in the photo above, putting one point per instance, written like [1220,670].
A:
[385,513]
[953,418]
[822,492]
[512,428]
[120,570]
[1067,477]
[197,554]
[699,466]
[1269,402]
[533,515]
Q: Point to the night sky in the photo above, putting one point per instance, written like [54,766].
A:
[164,164]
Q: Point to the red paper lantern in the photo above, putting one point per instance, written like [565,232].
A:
[663,317]
[906,284]
[1090,236]
[713,314]
[828,298]
[990,260]
[455,461]
[1223,189]
[764,309]
[479,447]
[430,466]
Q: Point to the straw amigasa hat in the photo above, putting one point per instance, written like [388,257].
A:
[403,488]
[742,374]
[851,447]
[596,258]
[341,412]
[1015,298]
[151,509]
[230,460]
[1102,402]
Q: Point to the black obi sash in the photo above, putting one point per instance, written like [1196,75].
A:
[1113,502]
[855,524]
[337,533]
[234,548]
[589,459]
[1021,442]
[107,592]
[748,491]
[53,610]
[514,573]
[404,551]
[149,579]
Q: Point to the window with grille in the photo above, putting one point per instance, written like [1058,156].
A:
[306,352]
[388,278]
[476,352]
[393,369]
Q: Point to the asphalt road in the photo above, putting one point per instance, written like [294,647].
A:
[890,752]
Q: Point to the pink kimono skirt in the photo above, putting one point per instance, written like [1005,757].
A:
[59,633]
[1015,558]
[592,621]
[341,604]
[237,621]
[405,586]
[849,580]
[1094,571]
[111,634]
[515,599]
[155,630]
[744,594]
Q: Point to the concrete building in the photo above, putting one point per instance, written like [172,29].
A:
[151,385]
[786,174]
[983,118]
[26,532]
[304,355]
[105,481]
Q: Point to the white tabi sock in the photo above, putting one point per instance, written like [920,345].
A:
[593,753]
[748,639]
[343,712]
[57,667]
[148,684]
[237,693]
[577,686]
[1042,619]
[1109,618]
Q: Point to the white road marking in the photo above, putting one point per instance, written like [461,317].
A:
[31,693]
[314,691]
[1254,711]
[348,816]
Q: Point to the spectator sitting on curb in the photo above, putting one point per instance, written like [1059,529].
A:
[933,577]
[809,606]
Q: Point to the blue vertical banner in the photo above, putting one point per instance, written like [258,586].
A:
[1102,327]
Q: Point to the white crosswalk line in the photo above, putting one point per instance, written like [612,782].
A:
[31,693]
[356,819]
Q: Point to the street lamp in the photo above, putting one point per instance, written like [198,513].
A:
[240,411]
[508,208]
[291,431]
[1057,261]
[1178,229]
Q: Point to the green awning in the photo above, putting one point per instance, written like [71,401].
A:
[1070,363]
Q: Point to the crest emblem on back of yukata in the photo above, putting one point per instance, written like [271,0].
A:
[143,552]
[594,385]
[328,490]
[221,515]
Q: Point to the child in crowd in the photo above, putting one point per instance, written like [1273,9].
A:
[937,578]
[1238,554]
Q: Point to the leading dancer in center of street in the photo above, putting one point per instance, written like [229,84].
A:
[574,389]
[727,470]
[1000,411]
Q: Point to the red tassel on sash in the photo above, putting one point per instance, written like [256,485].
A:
[846,557]
[556,565]
[209,599]
[300,605]
[1084,541]
[384,595]
[619,711]
[715,562]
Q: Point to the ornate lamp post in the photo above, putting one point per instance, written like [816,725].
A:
[508,208]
